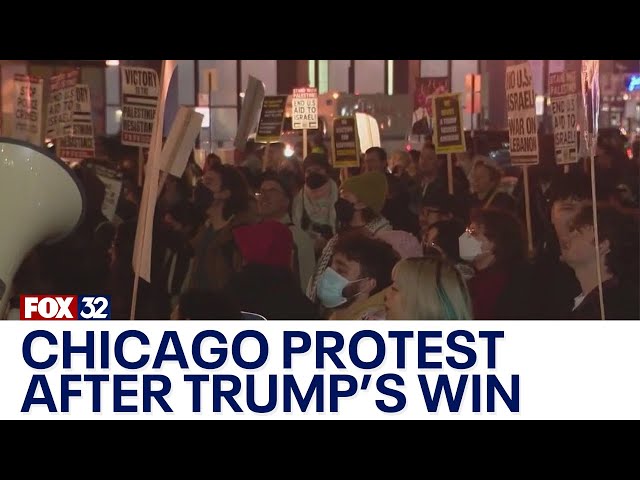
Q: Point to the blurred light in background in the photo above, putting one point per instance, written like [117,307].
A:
[288,151]
[540,104]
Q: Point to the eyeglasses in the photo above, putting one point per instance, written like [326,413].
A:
[267,191]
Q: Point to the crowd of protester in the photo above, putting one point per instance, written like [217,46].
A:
[279,237]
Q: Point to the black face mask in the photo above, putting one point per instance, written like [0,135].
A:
[316,180]
[126,210]
[202,198]
[344,211]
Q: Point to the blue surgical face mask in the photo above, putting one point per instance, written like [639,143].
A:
[330,287]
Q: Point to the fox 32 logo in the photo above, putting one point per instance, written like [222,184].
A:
[65,307]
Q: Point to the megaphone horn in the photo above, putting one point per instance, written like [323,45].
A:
[41,201]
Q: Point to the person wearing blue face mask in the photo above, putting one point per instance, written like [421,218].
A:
[353,286]
[357,210]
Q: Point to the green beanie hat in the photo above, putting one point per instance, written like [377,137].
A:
[370,188]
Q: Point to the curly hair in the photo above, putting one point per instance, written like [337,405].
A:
[506,232]
[376,257]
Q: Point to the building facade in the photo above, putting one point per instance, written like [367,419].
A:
[216,87]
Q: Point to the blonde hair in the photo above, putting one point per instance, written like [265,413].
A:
[432,289]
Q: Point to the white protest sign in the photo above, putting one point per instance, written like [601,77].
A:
[250,112]
[113,187]
[180,142]
[61,103]
[521,114]
[563,91]
[81,141]
[140,88]
[28,109]
[368,131]
[144,231]
[305,109]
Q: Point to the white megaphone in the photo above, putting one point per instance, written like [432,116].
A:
[41,201]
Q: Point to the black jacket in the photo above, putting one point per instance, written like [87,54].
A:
[271,292]
[621,302]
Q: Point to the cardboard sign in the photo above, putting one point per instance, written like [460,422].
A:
[81,141]
[563,91]
[344,139]
[521,114]
[61,104]
[28,109]
[253,97]
[180,142]
[447,125]
[112,181]
[271,119]
[305,109]
[140,88]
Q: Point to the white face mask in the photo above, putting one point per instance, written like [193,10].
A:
[470,247]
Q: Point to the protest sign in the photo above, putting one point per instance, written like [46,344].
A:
[80,143]
[344,139]
[521,114]
[426,87]
[305,109]
[563,91]
[368,131]
[448,128]
[271,119]
[180,142]
[251,105]
[61,104]
[28,108]
[139,102]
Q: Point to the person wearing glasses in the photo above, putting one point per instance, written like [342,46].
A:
[427,288]
[435,208]
[274,198]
